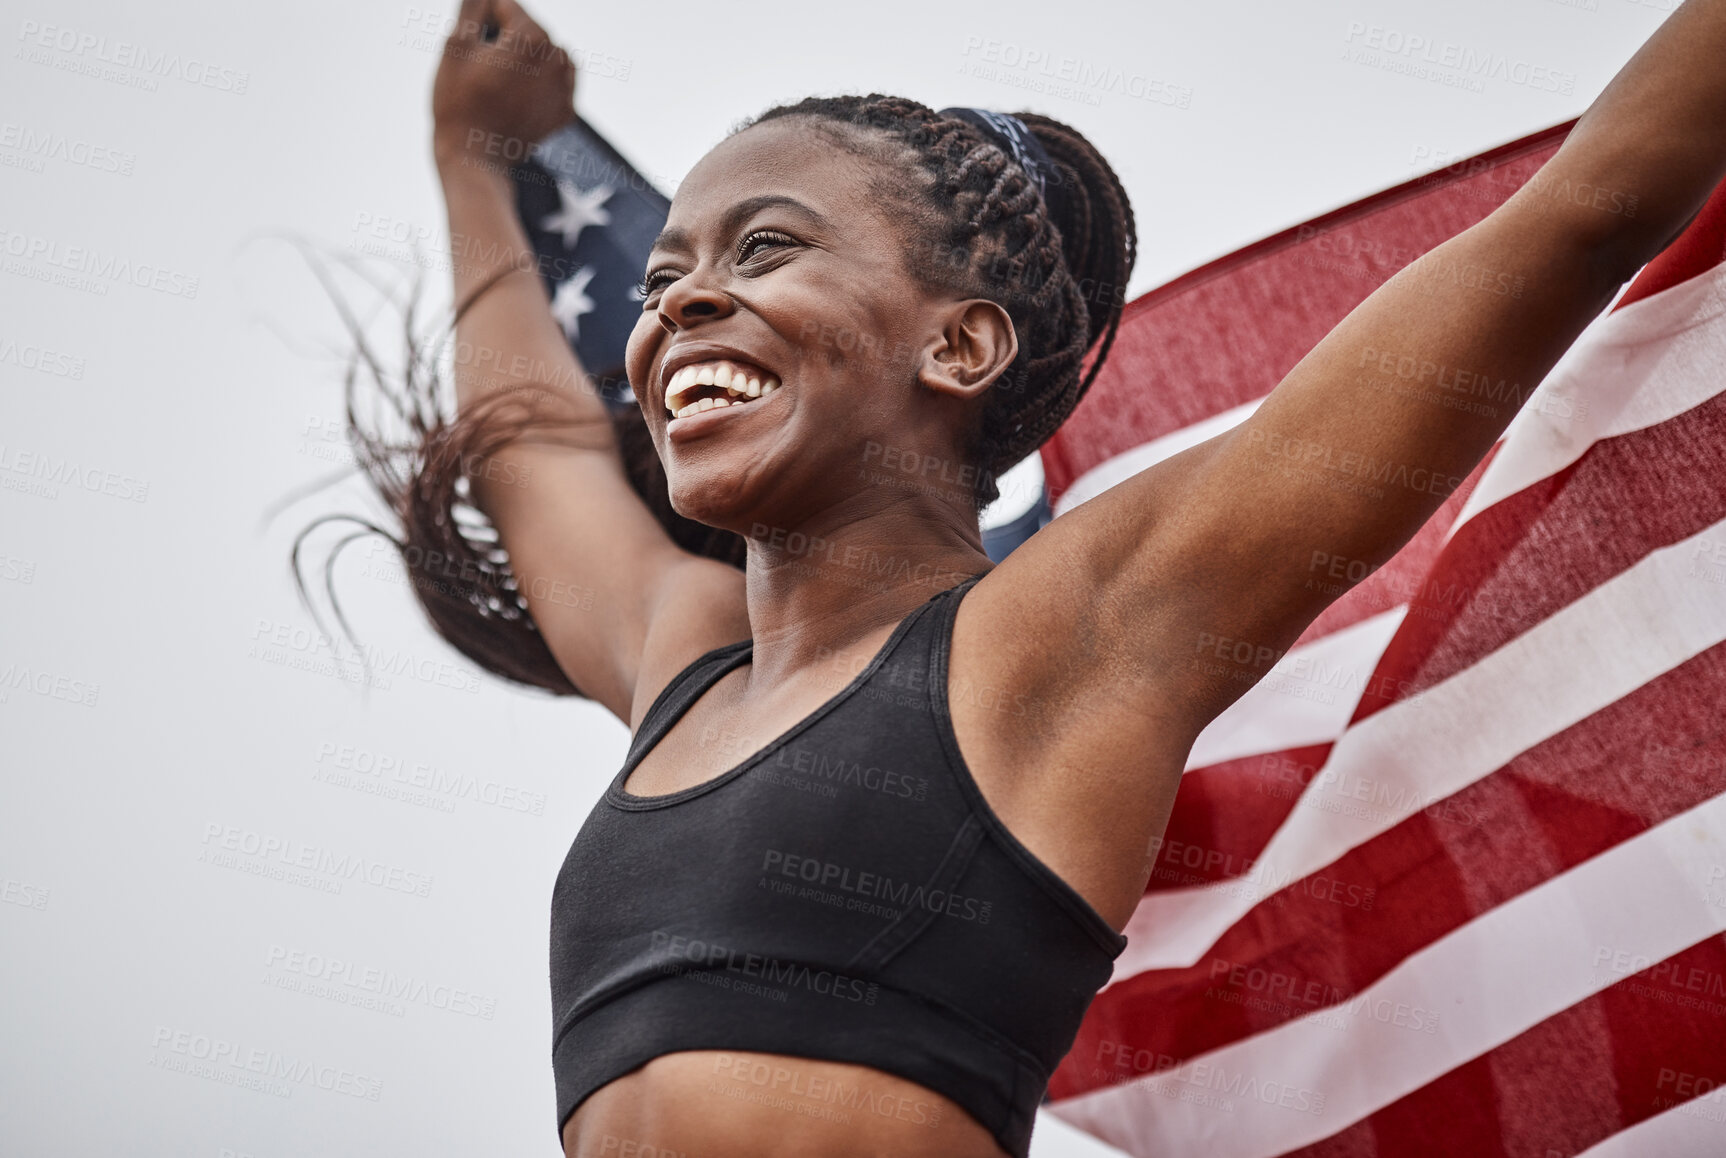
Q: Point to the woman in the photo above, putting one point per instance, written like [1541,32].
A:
[887,806]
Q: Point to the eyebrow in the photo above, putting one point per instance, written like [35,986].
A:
[736,216]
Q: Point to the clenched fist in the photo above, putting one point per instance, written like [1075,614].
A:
[501,86]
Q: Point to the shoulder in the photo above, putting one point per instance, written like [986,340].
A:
[1078,612]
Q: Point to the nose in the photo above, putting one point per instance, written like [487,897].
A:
[689,300]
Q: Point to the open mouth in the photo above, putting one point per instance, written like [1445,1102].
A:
[711,385]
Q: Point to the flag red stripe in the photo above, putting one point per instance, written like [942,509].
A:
[1700,248]
[1328,936]
[1624,1055]
[1226,813]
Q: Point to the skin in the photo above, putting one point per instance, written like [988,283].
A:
[1095,627]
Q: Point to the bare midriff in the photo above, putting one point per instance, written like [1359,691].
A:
[731,1104]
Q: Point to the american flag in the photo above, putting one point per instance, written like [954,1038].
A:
[1452,878]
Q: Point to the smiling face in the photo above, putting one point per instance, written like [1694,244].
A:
[783,322]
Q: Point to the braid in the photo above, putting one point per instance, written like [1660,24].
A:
[1102,240]
[978,206]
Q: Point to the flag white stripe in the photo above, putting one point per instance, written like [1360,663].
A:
[1627,631]
[1123,466]
[1632,369]
[1696,1129]
[1491,979]
[1307,698]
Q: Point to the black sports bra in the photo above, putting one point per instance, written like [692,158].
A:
[843,894]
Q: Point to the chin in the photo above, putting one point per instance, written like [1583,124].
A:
[715,505]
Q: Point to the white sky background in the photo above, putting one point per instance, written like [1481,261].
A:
[113,935]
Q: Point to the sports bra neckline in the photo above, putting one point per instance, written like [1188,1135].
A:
[740,652]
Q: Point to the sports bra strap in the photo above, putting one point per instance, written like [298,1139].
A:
[685,688]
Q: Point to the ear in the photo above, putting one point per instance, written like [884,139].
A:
[975,346]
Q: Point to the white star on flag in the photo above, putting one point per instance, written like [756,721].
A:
[572,301]
[579,210]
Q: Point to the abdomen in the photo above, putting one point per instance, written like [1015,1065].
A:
[719,1104]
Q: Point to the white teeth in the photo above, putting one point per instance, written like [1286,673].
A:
[733,379]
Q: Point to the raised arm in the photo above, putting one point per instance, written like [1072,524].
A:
[592,561]
[1353,451]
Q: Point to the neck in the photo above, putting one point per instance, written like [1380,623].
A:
[819,589]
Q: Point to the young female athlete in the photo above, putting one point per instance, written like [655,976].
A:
[887,805]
